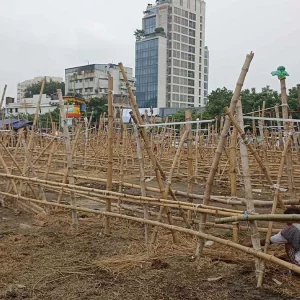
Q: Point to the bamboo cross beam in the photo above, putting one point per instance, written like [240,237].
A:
[268,217]
[191,232]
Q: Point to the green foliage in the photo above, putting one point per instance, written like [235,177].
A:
[50,89]
[98,106]
[160,30]
[281,73]
[139,34]
[44,120]
[251,101]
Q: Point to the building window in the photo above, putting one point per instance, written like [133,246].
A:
[205,77]
[191,91]
[205,86]
[184,30]
[147,73]
[191,74]
[191,66]
[191,99]
[192,16]
[91,79]
[177,20]
[184,64]
[189,4]
[192,32]
[184,39]
[150,25]
[181,2]
[184,22]
[191,49]
[192,24]
[16,110]
[191,82]
[176,88]
[192,41]
[11,110]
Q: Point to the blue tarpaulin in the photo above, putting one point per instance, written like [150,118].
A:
[14,123]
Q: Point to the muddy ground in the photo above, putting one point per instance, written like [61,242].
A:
[42,259]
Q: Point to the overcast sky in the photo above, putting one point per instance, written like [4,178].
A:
[41,38]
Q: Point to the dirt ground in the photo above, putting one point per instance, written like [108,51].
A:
[42,259]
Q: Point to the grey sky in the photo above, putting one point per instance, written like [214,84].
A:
[43,38]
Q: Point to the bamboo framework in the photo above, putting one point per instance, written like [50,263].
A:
[202,175]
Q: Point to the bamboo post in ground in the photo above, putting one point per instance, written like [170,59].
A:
[262,137]
[67,142]
[155,164]
[109,151]
[197,151]
[255,237]
[219,150]
[276,198]
[279,127]
[188,128]
[142,179]
[285,115]
[30,142]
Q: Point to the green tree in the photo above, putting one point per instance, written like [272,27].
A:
[217,101]
[139,34]
[98,106]
[50,89]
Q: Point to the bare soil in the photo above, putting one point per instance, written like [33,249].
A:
[42,259]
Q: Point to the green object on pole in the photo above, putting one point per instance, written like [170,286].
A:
[281,73]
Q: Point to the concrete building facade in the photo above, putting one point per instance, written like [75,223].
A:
[171,58]
[92,80]
[28,106]
[23,85]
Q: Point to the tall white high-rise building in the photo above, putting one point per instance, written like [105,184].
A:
[172,60]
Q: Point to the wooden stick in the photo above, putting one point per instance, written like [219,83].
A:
[68,150]
[198,234]
[110,151]
[221,144]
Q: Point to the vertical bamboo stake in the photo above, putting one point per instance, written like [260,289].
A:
[109,151]
[157,168]
[285,114]
[142,180]
[220,147]
[188,128]
[279,127]
[30,142]
[276,199]
[68,150]
[263,141]
[255,237]
[197,151]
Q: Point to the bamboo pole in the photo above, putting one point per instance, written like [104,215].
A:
[142,180]
[188,128]
[252,150]
[191,232]
[68,153]
[255,237]
[109,151]
[276,198]
[220,147]
[289,161]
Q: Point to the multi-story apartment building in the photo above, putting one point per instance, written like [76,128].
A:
[171,57]
[92,80]
[23,85]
